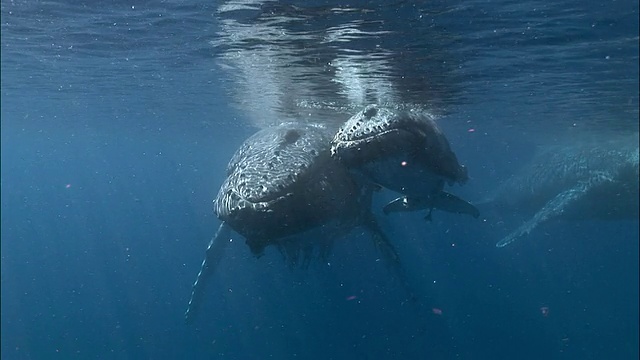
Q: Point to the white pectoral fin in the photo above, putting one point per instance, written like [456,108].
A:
[555,207]
[214,254]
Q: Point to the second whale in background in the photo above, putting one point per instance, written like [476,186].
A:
[589,179]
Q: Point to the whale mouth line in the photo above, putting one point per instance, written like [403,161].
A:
[261,202]
[373,135]
[232,204]
[376,146]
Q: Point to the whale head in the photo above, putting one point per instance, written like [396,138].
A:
[400,150]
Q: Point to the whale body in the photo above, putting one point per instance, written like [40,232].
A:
[280,183]
[578,181]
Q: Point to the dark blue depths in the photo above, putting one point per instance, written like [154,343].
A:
[103,233]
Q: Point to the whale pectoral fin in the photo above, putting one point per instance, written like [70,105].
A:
[555,207]
[388,253]
[453,204]
[441,201]
[405,203]
[381,241]
[213,256]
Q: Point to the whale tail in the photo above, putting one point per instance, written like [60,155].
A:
[215,251]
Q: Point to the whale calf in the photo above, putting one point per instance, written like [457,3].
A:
[405,152]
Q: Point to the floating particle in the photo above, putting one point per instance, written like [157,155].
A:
[544,310]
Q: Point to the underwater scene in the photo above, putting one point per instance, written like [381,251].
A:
[261,179]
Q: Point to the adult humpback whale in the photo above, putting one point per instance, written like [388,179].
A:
[591,179]
[281,182]
[405,152]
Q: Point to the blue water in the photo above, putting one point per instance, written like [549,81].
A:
[118,119]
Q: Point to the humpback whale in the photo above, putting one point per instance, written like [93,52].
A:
[583,180]
[405,152]
[280,183]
